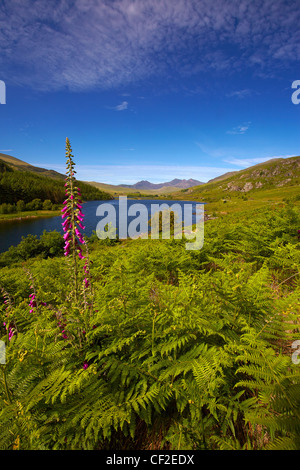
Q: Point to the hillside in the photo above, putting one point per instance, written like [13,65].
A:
[20,165]
[270,182]
[18,182]
[274,173]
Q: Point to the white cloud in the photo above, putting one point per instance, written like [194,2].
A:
[239,129]
[82,44]
[121,106]
[239,93]
[246,162]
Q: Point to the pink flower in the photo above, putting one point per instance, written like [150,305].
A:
[67,236]
[10,334]
[85,365]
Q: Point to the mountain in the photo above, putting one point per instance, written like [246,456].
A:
[20,165]
[275,174]
[20,181]
[177,183]
[222,177]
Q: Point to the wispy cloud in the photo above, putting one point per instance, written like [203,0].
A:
[239,93]
[246,162]
[121,107]
[239,129]
[88,44]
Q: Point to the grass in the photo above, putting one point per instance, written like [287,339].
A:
[28,214]
[220,203]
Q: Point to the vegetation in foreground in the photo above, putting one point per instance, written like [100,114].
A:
[145,345]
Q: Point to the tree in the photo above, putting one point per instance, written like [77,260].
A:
[47,205]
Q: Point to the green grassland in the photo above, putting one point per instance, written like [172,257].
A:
[29,214]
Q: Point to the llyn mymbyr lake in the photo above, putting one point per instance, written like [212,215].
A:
[12,231]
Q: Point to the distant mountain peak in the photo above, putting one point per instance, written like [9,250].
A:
[178,183]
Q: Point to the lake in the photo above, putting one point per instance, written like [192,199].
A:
[11,232]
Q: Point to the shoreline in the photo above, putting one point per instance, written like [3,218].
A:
[35,215]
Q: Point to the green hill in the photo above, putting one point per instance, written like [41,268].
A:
[20,165]
[20,181]
[271,182]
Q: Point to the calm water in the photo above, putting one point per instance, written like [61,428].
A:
[11,232]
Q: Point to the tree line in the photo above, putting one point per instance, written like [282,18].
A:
[23,187]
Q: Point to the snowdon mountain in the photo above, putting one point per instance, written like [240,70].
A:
[182,184]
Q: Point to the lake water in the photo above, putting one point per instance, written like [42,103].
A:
[11,232]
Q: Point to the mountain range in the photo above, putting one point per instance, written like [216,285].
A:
[276,173]
[177,183]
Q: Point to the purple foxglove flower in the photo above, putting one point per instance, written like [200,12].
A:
[67,236]
[67,245]
[10,334]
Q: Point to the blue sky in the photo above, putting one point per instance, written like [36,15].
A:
[149,89]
